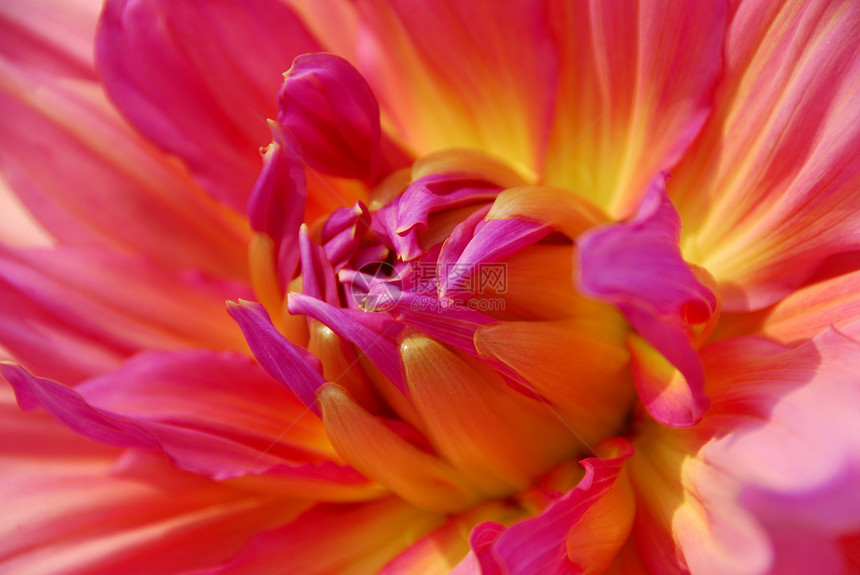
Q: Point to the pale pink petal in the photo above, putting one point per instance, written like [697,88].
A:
[18,227]
[181,73]
[769,190]
[766,484]
[808,401]
[636,86]
[89,180]
[126,302]
[54,36]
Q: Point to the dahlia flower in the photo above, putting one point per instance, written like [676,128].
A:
[518,287]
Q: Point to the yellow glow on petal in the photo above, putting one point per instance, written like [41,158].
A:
[562,209]
[497,437]
[466,163]
[580,369]
[381,454]
[264,276]
[340,365]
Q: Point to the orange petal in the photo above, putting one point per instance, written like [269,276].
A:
[562,209]
[497,437]
[381,454]
[579,367]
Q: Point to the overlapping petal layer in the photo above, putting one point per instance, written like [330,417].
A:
[468,263]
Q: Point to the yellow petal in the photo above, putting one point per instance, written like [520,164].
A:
[384,456]
[495,436]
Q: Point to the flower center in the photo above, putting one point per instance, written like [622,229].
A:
[463,363]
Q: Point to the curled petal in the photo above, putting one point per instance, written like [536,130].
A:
[332,111]
[277,202]
[637,266]
[375,340]
[581,530]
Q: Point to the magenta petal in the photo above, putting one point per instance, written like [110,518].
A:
[493,242]
[539,545]
[332,111]
[384,223]
[69,408]
[434,192]
[294,367]
[342,233]
[376,345]
[180,72]
[637,266]
[318,280]
[277,203]
[442,320]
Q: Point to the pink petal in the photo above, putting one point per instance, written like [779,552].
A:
[438,191]
[332,111]
[294,367]
[180,73]
[361,537]
[767,205]
[104,181]
[637,266]
[51,347]
[69,506]
[540,545]
[54,36]
[277,203]
[492,243]
[157,402]
[343,232]
[636,87]
[461,77]
[70,409]
[376,345]
[155,308]
[318,280]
